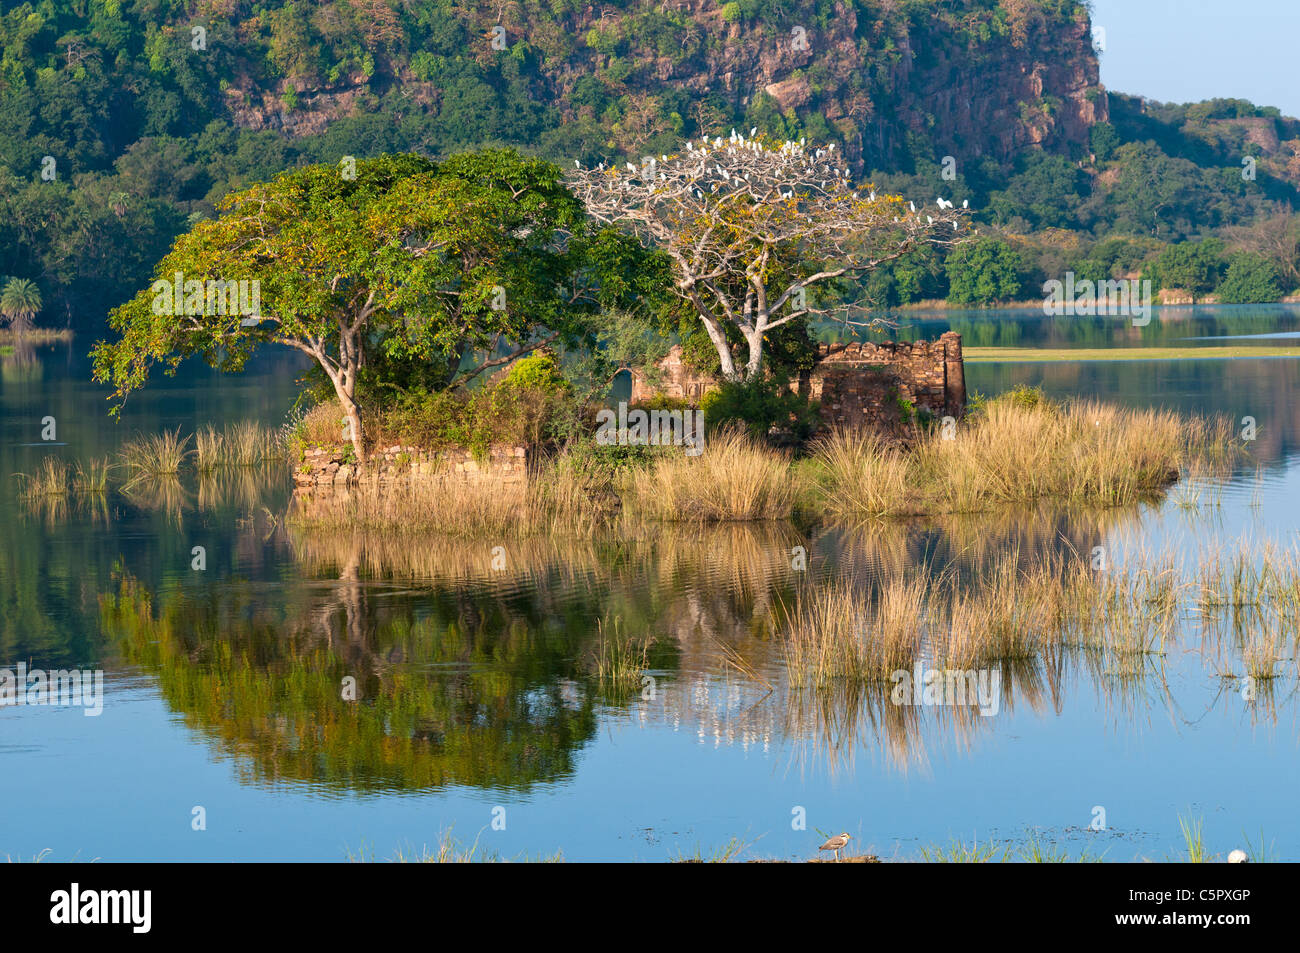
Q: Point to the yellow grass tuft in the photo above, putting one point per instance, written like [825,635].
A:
[735,478]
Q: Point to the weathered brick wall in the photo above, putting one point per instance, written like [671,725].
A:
[862,382]
[326,467]
[856,383]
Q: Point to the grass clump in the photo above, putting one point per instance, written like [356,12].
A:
[959,852]
[734,478]
[237,445]
[153,456]
[1194,839]
[448,850]
[91,478]
[1017,449]
[717,855]
[834,633]
[49,481]
[618,660]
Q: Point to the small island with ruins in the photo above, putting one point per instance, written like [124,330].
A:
[476,394]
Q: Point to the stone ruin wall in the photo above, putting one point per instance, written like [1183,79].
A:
[856,384]
[861,383]
[327,469]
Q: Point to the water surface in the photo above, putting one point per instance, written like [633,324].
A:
[477,695]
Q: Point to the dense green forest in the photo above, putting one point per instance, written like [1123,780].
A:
[120,122]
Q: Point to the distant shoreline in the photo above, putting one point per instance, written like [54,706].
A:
[36,336]
[1036,304]
[1027,355]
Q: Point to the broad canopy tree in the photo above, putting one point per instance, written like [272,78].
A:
[400,258]
[755,227]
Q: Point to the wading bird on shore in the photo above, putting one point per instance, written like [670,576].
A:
[836,844]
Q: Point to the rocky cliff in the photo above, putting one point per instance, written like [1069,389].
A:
[888,78]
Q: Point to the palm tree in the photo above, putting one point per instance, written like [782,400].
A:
[20,302]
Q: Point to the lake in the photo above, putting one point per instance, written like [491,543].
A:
[477,712]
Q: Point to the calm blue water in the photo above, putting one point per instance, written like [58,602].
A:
[476,686]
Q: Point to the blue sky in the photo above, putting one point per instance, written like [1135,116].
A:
[1189,50]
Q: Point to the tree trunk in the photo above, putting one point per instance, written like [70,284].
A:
[355,426]
[344,382]
[755,341]
[719,339]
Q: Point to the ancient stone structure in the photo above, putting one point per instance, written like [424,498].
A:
[856,383]
[326,468]
[867,383]
[675,380]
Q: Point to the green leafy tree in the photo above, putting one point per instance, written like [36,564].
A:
[404,261]
[1047,192]
[982,272]
[1250,279]
[1104,139]
[1192,266]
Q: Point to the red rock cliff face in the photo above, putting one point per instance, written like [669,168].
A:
[1002,98]
[988,85]
[966,78]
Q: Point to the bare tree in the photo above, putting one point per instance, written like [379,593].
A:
[1276,238]
[752,225]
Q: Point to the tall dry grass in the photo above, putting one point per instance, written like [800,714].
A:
[320,426]
[246,444]
[156,455]
[91,477]
[838,632]
[1083,453]
[734,478]
[1006,612]
[49,480]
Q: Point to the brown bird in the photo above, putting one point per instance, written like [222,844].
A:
[836,844]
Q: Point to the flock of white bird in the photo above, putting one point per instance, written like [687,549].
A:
[789,147]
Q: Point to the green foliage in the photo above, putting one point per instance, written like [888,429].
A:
[1103,139]
[1250,279]
[917,276]
[408,268]
[906,408]
[768,410]
[1046,193]
[1024,396]
[148,132]
[1191,266]
[509,413]
[982,272]
[538,371]
[20,302]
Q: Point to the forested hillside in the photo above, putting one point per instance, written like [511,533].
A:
[120,121]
